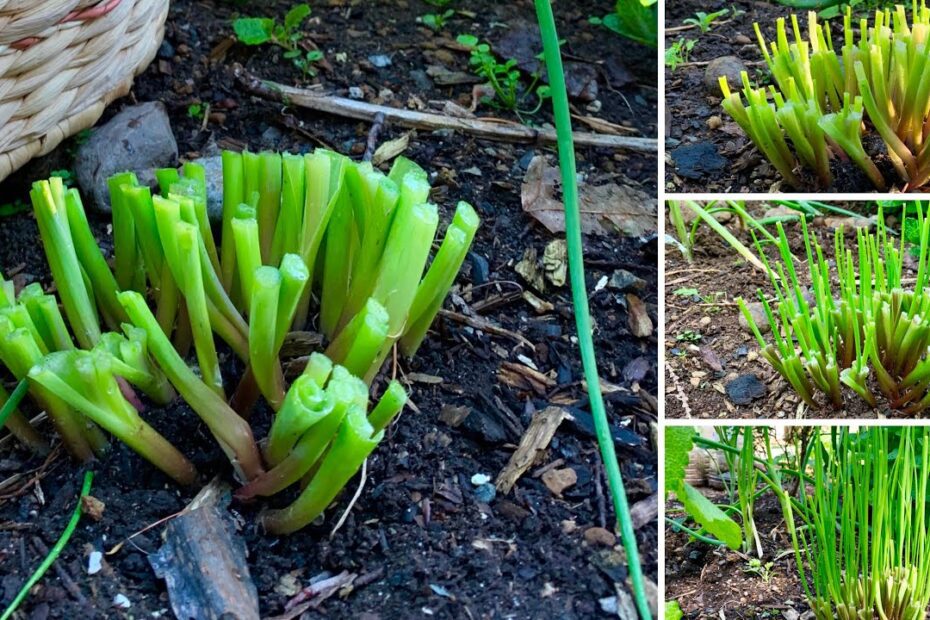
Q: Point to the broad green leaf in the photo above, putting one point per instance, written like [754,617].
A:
[711,518]
[678,444]
[672,611]
[296,16]
[253,30]
[686,292]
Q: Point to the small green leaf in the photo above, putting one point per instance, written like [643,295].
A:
[468,40]
[709,516]
[686,292]
[296,16]
[672,611]
[314,55]
[253,30]
[678,444]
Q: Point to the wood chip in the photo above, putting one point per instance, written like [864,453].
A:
[420,377]
[534,441]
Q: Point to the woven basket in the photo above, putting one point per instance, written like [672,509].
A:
[62,62]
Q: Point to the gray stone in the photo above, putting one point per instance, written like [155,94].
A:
[622,280]
[138,139]
[745,389]
[757,312]
[213,167]
[729,66]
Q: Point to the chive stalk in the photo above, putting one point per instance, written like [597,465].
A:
[233,434]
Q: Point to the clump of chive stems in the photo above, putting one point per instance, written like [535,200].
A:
[861,547]
[295,228]
[869,323]
[823,94]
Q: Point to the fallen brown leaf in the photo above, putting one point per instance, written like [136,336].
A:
[640,324]
[605,209]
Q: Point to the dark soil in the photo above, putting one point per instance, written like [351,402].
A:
[418,528]
[699,131]
[711,582]
[706,327]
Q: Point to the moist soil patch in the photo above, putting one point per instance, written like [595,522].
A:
[712,582]
[420,537]
[703,330]
[706,151]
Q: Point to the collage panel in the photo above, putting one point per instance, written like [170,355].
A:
[807,97]
[794,309]
[797,521]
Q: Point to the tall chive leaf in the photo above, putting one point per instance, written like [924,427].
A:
[48,201]
[439,278]
[266,291]
[233,196]
[232,432]
[401,268]
[248,249]
[129,266]
[339,257]
[290,215]
[269,202]
[189,260]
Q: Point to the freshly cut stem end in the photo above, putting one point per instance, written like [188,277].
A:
[352,445]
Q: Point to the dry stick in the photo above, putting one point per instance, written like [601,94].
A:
[504,131]
[373,133]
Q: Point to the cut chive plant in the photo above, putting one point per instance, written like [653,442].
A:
[824,91]
[303,236]
[874,321]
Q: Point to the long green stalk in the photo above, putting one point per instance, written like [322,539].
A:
[53,553]
[580,297]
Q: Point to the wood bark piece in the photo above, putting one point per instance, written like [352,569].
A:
[535,440]
[203,561]
[496,129]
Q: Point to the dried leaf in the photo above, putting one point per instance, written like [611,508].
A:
[555,262]
[391,149]
[640,323]
[711,358]
[605,209]
[528,268]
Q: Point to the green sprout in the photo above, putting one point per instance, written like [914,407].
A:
[637,20]
[504,78]
[678,53]
[703,20]
[436,21]
[262,30]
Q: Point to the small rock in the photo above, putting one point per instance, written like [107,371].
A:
[479,268]
[356,93]
[479,479]
[272,136]
[121,601]
[600,536]
[790,614]
[557,480]
[742,39]
[705,321]
[624,281]
[138,139]
[636,369]
[568,526]
[380,60]
[92,507]
[166,50]
[745,389]
[695,161]
[725,66]
[486,493]
[757,312]
[742,351]
[94,562]
[421,80]
[714,122]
